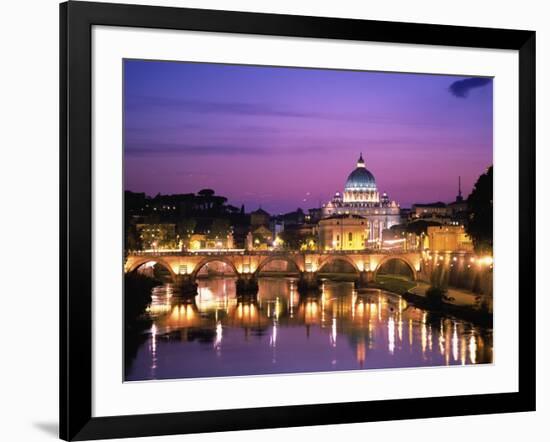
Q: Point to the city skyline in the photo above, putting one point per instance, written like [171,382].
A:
[283,138]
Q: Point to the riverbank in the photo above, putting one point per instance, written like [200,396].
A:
[458,303]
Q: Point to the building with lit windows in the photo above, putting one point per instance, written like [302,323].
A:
[343,232]
[449,239]
[157,236]
[361,200]
[454,213]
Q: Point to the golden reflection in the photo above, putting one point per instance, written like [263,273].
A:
[361,309]
[447,342]
[353,321]
[157,309]
[361,352]
[277,308]
[334,333]
[373,310]
[219,336]
[309,310]
[323,301]
[161,297]
[463,350]
[153,350]
[455,343]
[441,339]
[180,315]
[292,298]
[472,347]
[247,314]
[400,329]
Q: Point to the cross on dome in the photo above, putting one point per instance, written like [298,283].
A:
[360,161]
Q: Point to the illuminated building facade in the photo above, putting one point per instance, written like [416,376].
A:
[448,239]
[262,237]
[202,241]
[344,232]
[454,213]
[361,198]
[157,236]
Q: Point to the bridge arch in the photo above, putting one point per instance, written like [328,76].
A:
[333,259]
[139,262]
[287,259]
[402,259]
[210,259]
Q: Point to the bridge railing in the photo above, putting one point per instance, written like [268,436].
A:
[234,252]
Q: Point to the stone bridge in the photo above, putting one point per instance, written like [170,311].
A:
[247,265]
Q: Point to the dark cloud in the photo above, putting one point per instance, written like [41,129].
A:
[461,88]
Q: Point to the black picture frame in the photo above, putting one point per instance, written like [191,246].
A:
[76,21]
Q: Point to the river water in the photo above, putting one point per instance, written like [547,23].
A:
[279,331]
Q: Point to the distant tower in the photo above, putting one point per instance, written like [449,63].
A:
[459,198]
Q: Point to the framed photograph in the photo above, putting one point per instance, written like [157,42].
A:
[273,220]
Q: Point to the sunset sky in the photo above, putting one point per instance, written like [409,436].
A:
[285,138]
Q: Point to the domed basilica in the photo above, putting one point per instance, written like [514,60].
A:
[361,200]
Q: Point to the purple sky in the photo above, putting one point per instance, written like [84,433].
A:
[287,137]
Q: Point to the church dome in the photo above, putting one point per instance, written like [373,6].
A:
[360,178]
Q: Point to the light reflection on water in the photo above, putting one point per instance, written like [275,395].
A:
[279,331]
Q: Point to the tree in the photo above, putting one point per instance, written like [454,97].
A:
[137,296]
[480,207]
[206,193]
[186,227]
[219,228]
[421,226]
[291,238]
[133,240]
[435,296]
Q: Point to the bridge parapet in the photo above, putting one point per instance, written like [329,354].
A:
[242,252]
[248,265]
[252,262]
